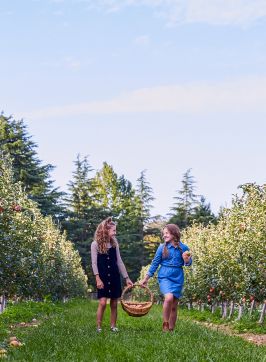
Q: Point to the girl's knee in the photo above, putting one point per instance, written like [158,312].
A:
[113,302]
[168,298]
[102,303]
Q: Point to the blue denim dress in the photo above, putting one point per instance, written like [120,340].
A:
[171,274]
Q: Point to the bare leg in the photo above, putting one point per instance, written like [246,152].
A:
[167,307]
[113,306]
[173,314]
[100,311]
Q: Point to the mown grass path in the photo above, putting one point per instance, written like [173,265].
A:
[71,336]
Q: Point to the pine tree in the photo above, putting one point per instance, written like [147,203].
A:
[183,208]
[190,207]
[144,204]
[144,193]
[202,213]
[79,188]
[116,196]
[35,177]
[83,215]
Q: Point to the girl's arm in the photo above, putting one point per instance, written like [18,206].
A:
[94,252]
[121,266]
[156,261]
[154,265]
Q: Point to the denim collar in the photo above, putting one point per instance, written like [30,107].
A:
[169,245]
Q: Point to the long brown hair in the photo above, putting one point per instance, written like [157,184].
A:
[102,235]
[175,232]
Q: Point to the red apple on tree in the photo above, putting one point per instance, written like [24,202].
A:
[17,208]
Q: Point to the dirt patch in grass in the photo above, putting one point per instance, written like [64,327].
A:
[258,339]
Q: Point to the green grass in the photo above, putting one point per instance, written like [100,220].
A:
[246,324]
[70,335]
[24,312]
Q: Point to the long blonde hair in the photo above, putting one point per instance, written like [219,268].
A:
[102,235]
[175,232]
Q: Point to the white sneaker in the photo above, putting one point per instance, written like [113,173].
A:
[98,330]
[114,329]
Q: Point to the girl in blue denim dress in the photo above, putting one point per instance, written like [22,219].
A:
[171,256]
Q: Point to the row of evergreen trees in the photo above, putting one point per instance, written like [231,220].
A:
[94,195]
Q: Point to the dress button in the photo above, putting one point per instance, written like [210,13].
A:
[108,266]
[108,275]
[108,258]
[109,291]
[109,283]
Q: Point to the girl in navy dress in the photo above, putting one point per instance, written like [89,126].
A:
[172,256]
[107,266]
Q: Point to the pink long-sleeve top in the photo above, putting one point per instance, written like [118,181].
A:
[94,252]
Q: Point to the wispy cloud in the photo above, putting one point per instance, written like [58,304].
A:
[58,13]
[57,1]
[235,96]
[6,13]
[67,62]
[142,40]
[215,12]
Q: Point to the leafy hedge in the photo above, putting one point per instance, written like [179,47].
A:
[36,260]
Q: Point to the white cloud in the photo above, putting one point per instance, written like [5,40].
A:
[235,96]
[66,62]
[215,12]
[142,40]
[58,13]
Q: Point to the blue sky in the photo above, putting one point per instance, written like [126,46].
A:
[162,85]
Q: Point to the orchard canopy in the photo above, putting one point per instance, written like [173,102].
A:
[36,259]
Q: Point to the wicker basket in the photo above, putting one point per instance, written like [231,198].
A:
[136,308]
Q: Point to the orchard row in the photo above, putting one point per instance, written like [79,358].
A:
[36,259]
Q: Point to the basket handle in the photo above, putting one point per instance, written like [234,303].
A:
[137,285]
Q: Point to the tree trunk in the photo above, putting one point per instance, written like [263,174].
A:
[232,309]
[2,303]
[262,314]
[199,306]
[213,307]
[252,307]
[222,309]
[225,304]
[240,311]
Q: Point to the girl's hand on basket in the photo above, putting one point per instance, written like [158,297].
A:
[129,282]
[144,282]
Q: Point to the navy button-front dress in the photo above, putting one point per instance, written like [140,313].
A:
[109,274]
